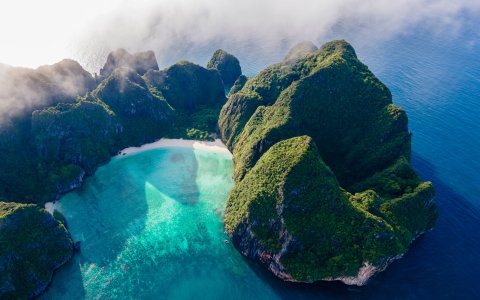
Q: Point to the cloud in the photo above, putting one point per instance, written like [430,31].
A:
[189,27]
[22,89]
[40,32]
[259,32]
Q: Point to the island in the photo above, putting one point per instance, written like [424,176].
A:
[323,185]
[324,188]
[32,245]
[227,65]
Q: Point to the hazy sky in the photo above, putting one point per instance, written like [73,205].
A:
[36,32]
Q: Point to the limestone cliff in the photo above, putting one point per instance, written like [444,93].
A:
[324,188]
[227,65]
[140,62]
[33,244]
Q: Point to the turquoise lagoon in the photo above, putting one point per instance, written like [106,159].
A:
[150,226]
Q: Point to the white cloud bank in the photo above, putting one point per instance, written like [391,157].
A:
[39,32]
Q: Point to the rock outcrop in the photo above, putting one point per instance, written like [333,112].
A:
[70,178]
[227,65]
[33,244]
[140,62]
[324,188]
[299,50]
[238,85]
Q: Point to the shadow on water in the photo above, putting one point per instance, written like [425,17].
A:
[112,207]
[182,171]
[442,264]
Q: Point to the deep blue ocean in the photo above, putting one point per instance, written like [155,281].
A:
[435,77]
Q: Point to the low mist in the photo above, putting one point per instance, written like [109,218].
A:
[23,90]
[259,32]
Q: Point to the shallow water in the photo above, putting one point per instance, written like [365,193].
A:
[151,227]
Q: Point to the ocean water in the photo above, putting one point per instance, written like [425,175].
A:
[151,223]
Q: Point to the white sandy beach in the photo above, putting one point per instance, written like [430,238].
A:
[216,146]
[50,207]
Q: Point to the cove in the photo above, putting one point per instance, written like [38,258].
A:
[150,226]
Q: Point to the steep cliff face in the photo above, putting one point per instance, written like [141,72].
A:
[140,62]
[32,245]
[188,87]
[81,133]
[329,95]
[261,90]
[144,115]
[127,94]
[49,148]
[359,138]
[324,188]
[227,65]
[69,178]
[238,85]
[290,213]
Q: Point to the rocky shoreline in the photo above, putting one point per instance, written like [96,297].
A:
[42,287]
[246,244]
[39,245]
